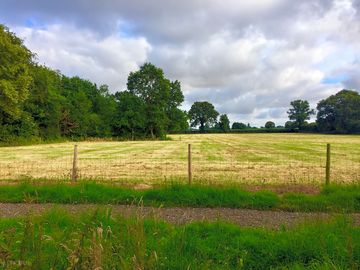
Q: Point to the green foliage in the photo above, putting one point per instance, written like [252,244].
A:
[130,116]
[40,104]
[45,101]
[291,126]
[150,85]
[160,97]
[224,123]
[299,113]
[237,125]
[269,124]
[177,119]
[102,240]
[36,101]
[15,80]
[202,114]
[332,199]
[340,113]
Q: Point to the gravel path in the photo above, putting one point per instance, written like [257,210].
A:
[176,215]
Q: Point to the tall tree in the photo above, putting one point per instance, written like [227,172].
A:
[300,112]
[150,85]
[340,112]
[202,114]
[224,123]
[15,79]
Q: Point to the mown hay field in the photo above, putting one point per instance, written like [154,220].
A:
[220,158]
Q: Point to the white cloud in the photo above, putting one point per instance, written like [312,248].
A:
[250,58]
[81,52]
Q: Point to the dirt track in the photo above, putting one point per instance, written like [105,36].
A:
[242,217]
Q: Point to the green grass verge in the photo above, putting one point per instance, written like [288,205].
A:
[331,199]
[58,240]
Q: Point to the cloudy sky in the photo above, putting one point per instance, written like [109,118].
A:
[249,58]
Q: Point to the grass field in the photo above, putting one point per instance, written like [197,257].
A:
[339,199]
[58,240]
[244,158]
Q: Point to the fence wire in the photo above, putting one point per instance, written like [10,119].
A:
[167,161]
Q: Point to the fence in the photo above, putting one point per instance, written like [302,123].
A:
[197,163]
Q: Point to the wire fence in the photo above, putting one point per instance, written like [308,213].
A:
[170,163]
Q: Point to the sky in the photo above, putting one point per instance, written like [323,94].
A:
[249,58]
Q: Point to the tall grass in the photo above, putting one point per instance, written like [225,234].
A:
[98,240]
[331,199]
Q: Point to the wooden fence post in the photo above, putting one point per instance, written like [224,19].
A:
[74,174]
[328,164]
[189,164]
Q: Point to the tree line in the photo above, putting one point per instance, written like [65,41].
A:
[38,102]
[339,113]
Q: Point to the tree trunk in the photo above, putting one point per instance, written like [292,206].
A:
[202,127]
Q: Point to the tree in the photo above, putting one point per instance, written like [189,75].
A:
[15,80]
[15,61]
[38,101]
[78,118]
[300,112]
[290,125]
[150,85]
[202,114]
[269,124]
[103,110]
[177,119]
[45,102]
[340,112]
[130,115]
[237,125]
[224,123]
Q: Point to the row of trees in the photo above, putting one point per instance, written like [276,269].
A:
[339,113]
[204,115]
[36,101]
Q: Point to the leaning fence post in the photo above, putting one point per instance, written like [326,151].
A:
[328,155]
[74,174]
[189,164]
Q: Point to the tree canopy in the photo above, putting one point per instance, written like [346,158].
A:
[203,114]
[15,80]
[224,123]
[238,125]
[161,99]
[340,113]
[269,124]
[299,113]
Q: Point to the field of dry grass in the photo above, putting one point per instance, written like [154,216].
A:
[245,158]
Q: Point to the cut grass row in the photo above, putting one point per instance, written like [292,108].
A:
[330,199]
[98,240]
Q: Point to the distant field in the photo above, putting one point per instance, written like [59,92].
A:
[245,158]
